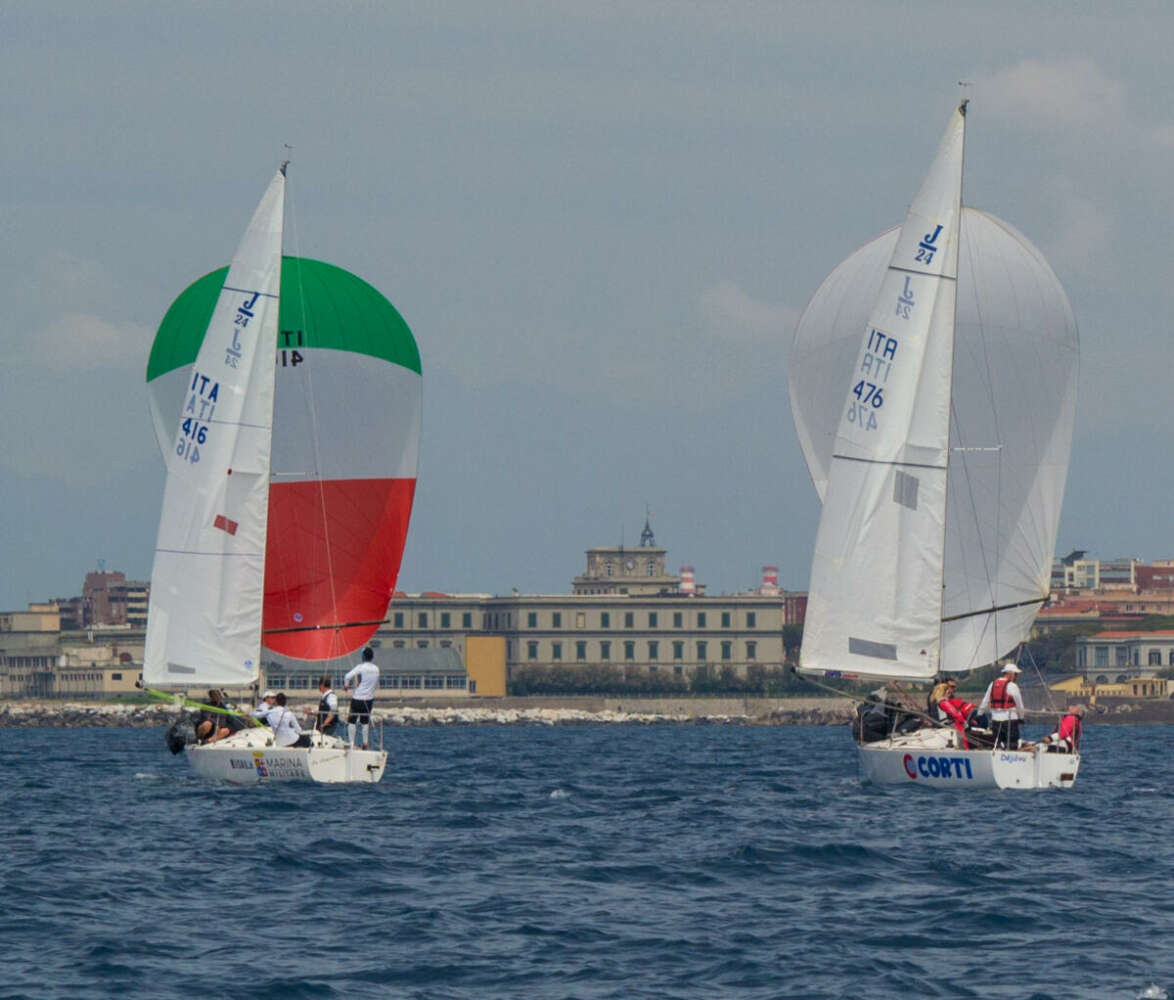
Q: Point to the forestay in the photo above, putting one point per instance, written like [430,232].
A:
[1013,403]
[874,602]
[207,584]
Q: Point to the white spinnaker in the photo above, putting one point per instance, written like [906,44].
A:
[874,601]
[1014,390]
[207,584]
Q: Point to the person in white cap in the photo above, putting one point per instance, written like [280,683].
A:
[1005,701]
[264,706]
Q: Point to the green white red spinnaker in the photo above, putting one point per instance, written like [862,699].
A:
[346,427]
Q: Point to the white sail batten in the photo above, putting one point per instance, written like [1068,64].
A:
[874,601]
[207,584]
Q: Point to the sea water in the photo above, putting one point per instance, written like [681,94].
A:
[675,861]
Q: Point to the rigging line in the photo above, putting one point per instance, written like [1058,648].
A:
[994,608]
[903,465]
[315,440]
[336,626]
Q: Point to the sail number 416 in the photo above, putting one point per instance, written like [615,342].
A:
[862,410]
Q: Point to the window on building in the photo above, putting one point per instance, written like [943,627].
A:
[651,567]
[467,619]
[454,682]
[398,644]
[415,681]
[727,650]
[608,568]
[445,620]
[751,619]
[725,619]
[532,619]
[679,671]
[556,619]
[752,651]
[398,620]
[701,619]
[1171,660]
[678,619]
[580,650]
[1155,659]
[1102,655]
[580,619]
[702,651]
[388,681]
[652,619]
[678,650]
[556,650]
[531,651]
[605,650]
[434,682]
[1122,656]
[604,619]
[446,643]
[629,619]
[629,650]
[118,677]
[654,650]
[422,619]
[421,643]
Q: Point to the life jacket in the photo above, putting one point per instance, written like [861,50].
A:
[1069,729]
[324,713]
[999,697]
[957,711]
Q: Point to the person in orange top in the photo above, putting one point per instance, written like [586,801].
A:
[956,710]
[1066,738]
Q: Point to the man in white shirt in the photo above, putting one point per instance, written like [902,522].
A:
[365,676]
[286,731]
[1006,705]
[264,706]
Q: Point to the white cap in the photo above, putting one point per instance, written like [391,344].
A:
[1010,668]
[269,694]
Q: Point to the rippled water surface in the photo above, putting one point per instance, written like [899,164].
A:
[580,861]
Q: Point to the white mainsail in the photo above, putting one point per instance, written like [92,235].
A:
[207,584]
[875,597]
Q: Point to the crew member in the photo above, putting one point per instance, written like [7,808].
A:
[956,710]
[264,706]
[1006,705]
[933,703]
[210,724]
[326,718]
[286,731]
[365,676]
[1066,738]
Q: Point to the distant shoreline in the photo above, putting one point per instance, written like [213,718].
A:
[79,714]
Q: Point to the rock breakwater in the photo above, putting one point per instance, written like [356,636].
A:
[696,712]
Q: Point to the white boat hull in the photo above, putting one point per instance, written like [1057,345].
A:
[249,757]
[915,760]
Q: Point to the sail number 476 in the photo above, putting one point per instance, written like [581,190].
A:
[862,410]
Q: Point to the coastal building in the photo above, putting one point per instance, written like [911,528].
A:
[1123,656]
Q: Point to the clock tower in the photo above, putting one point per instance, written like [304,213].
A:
[615,569]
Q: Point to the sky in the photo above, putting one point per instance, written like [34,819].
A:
[601,221]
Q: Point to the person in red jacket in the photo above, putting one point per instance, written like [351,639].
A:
[956,710]
[1066,738]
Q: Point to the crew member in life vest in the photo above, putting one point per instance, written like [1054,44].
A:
[1006,705]
[326,714]
[956,710]
[1066,738]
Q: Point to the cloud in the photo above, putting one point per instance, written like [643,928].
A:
[732,315]
[78,343]
[1062,93]
[1082,224]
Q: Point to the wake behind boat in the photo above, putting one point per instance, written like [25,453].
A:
[942,467]
[288,496]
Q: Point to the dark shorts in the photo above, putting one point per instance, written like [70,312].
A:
[360,711]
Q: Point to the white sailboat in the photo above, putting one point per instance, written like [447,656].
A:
[941,467]
[204,626]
